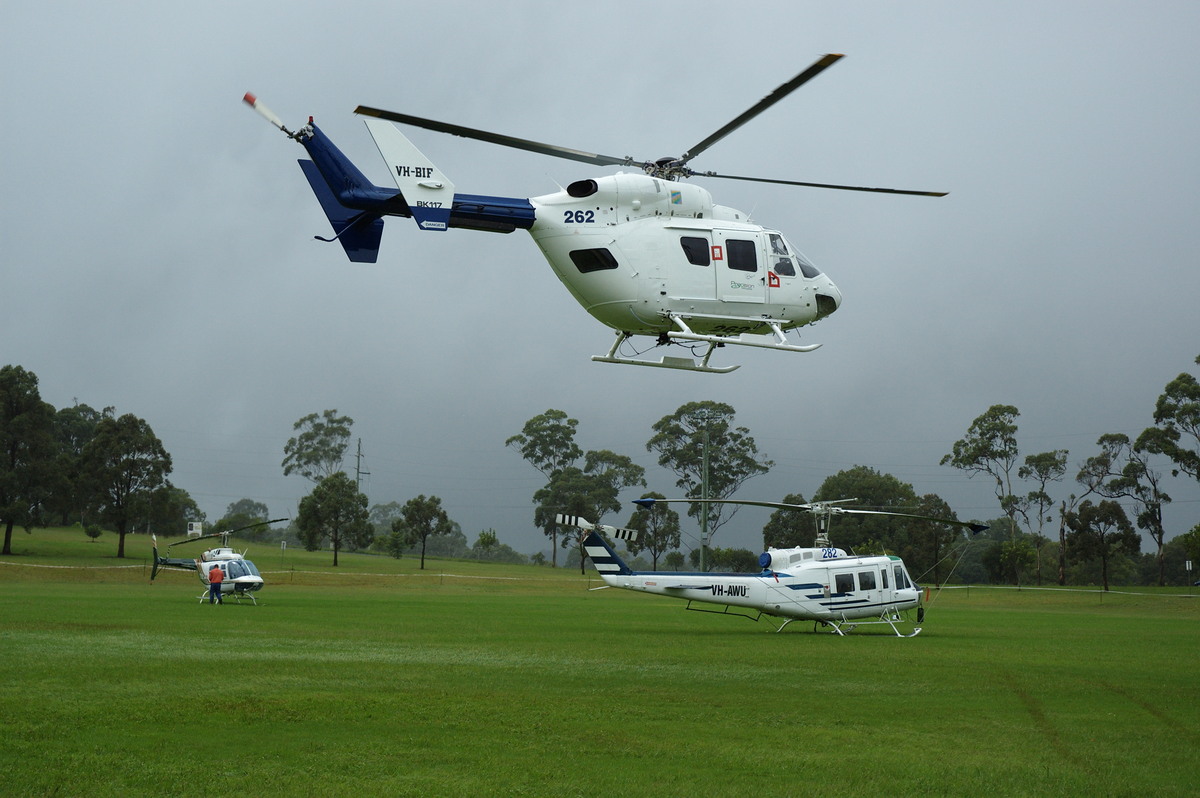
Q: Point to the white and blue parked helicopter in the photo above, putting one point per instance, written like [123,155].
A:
[643,253]
[821,583]
[242,577]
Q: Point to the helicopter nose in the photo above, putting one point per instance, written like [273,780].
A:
[829,299]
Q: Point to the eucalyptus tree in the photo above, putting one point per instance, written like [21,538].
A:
[1122,471]
[701,445]
[337,511]
[26,450]
[657,526]
[1102,531]
[125,465]
[317,449]
[1176,430]
[547,442]
[420,518]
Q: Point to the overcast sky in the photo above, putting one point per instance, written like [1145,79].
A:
[158,253]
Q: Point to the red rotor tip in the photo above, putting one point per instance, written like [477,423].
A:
[250,99]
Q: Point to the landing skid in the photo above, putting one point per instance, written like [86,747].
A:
[685,333]
[236,595]
[840,627]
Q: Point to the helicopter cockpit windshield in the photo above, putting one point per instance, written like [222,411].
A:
[236,568]
[784,256]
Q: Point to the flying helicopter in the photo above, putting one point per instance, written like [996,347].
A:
[242,578]
[643,253]
[820,583]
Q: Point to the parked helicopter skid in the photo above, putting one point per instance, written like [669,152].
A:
[643,253]
[821,583]
[242,577]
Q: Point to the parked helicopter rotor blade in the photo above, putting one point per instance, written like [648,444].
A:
[819,508]
[824,185]
[498,138]
[823,63]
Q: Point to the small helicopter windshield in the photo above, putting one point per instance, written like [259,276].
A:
[236,568]
[783,256]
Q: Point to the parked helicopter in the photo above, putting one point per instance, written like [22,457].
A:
[821,583]
[242,578]
[642,253]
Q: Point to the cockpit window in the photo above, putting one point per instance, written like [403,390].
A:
[781,262]
[806,268]
[783,256]
[696,250]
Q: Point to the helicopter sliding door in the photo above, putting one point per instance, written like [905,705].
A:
[741,270]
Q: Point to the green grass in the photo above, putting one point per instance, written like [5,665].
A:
[374,679]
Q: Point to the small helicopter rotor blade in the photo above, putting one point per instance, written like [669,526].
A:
[823,63]
[825,185]
[498,138]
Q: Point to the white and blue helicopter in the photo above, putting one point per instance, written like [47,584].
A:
[820,583]
[643,253]
[242,577]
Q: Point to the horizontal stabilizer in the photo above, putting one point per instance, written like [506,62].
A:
[358,232]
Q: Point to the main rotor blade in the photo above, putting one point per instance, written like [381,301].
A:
[826,185]
[817,508]
[766,102]
[498,138]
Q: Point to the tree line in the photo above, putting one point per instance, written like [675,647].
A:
[79,465]
[1047,534]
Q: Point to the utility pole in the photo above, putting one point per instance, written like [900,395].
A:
[358,470]
[704,495]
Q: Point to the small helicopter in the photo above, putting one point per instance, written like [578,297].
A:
[643,253]
[242,578]
[821,583]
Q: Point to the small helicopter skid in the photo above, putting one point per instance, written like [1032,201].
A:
[686,333]
[236,595]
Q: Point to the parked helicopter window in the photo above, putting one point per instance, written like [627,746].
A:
[593,260]
[901,578]
[883,576]
[843,583]
[251,567]
[866,580]
[696,250]
[742,254]
[234,569]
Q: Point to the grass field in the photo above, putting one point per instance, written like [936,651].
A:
[474,679]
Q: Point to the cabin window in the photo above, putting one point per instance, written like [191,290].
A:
[696,250]
[866,580]
[883,576]
[901,578]
[843,583]
[743,255]
[593,260]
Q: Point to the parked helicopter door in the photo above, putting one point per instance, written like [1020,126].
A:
[741,270]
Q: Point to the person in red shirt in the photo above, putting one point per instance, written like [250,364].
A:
[215,577]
